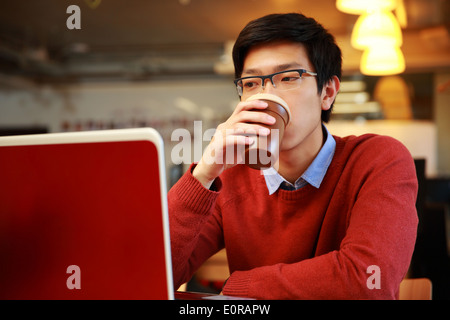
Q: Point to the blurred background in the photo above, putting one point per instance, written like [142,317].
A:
[164,64]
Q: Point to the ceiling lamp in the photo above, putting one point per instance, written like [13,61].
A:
[364,6]
[376,28]
[382,60]
[400,13]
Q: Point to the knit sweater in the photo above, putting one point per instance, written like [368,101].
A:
[309,243]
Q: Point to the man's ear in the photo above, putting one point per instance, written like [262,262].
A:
[329,92]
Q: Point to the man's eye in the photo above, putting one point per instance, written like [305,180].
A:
[250,84]
[288,79]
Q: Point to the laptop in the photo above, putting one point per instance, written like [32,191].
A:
[84,216]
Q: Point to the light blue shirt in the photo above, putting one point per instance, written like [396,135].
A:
[313,175]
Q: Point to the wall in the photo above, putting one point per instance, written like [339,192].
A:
[176,104]
[442,120]
[418,136]
[92,106]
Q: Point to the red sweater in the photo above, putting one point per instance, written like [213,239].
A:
[308,243]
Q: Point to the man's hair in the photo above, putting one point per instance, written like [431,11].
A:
[322,50]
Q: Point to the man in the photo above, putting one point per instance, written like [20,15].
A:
[336,220]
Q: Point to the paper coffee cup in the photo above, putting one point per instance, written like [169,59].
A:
[263,153]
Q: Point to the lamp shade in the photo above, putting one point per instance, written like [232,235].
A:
[376,28]
[387,60]
[365,6]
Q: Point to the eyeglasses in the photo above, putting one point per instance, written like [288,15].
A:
[284,80]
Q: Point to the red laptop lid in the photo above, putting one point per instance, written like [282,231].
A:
[83,216]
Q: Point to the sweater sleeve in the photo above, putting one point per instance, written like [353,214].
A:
[375,253]
[195,225]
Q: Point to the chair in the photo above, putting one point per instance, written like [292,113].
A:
[415,289]
[211,276]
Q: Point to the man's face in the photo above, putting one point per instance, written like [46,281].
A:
[304,102]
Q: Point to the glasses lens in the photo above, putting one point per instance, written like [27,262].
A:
[287,80]
[250,85]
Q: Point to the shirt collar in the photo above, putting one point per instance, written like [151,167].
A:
[313,175]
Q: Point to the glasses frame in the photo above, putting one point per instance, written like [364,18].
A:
[301,72]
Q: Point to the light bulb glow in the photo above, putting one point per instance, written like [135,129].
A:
[377,28]
[365,6]
[385,60]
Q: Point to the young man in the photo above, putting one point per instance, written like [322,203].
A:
[337,220]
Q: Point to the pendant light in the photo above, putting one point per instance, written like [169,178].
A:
[364,6]
[378,27]
[377,32]
[382,60]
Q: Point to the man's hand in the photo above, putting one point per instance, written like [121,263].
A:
[232,136]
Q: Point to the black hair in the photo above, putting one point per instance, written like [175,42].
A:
[321,47]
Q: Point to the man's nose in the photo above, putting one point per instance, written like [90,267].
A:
[268,86]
